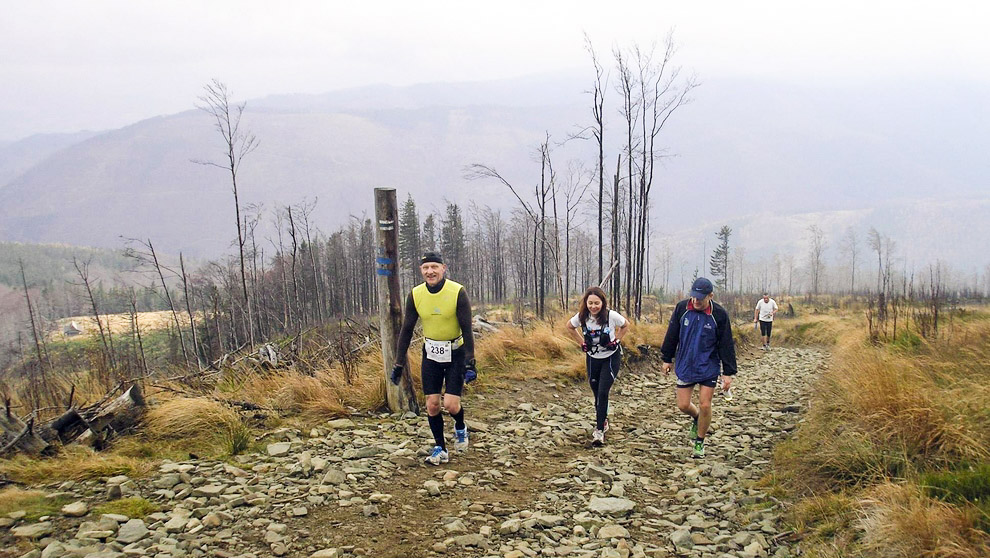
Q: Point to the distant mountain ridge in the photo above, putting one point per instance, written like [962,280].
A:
[742,148]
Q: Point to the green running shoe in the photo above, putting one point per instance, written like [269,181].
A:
[693,431]
[699,448]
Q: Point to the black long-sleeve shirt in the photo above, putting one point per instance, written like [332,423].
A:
[410,316]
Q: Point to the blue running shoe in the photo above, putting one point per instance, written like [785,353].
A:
[438,456]
[461,438]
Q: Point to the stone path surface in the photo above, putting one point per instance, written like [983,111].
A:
[531,485]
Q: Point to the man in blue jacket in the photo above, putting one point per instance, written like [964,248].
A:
[699,342]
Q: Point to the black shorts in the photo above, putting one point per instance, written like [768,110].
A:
[444,377]
[765,328]
[710,383]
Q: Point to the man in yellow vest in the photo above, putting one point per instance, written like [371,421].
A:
[448,349]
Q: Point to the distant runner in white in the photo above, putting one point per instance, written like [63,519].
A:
[765,309]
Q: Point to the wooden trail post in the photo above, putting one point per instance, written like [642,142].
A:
[402,397]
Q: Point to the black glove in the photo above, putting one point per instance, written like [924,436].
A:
[614,344]
[471,372]
[584,348]
[396,374]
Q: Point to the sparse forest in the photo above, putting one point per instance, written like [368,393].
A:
[283,329]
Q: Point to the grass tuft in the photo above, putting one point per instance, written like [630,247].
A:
[74,463]
[33,503]
[131,507]
[898,520]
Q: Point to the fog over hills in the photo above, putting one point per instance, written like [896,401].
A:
[767,158]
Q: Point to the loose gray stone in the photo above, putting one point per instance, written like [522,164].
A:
[720,470]
[612,531]
[471,540]
[594,472]
[432,487]
[33,531]
[682,538]
[364,452]
[334,477]
[510,526]
[611,506]
[132,531]
[76,509]
[167,481]
[276,450]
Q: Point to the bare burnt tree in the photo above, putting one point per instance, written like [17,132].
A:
[82,269]
[662,92]
[189,312]
[816,257]
[598,113]
[629,111]
[576,186]
[34,327]
[238,143]
[537,215]
[305,210]
[140,356]
[616,220]
[849,247]
[147,256]
[301,317]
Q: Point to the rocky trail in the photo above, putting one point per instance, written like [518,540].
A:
[530,485]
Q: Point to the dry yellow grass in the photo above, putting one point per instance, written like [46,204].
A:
[73,462]
[894,411]
[187,418]
[119,323]
[323,394]
[540,351]
[898,521]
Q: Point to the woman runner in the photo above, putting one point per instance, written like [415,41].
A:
[599,331]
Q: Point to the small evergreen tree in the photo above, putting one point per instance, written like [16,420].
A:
[410,248]
[719,263]
[429,236]
[452,237]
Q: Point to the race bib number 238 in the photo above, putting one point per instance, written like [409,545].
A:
[438,351]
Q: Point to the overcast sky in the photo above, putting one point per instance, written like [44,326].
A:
[70,65]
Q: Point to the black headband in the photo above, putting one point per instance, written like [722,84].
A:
[431,257]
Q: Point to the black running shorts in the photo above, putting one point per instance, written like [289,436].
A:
[765,328]
[444,377]
[710,383]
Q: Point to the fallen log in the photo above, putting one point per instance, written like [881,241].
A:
[66,427]
[121,414]
[19,436]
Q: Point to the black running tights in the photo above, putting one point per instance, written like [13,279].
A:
[601,374]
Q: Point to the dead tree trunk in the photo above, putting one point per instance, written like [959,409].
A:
[83,272]
[168,298]
[192,322]
[120,415]
[399,397]
[34,328]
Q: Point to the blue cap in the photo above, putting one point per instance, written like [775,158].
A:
[701,288]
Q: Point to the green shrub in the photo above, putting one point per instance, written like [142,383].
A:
[907,340]
[964,485]
[238,440]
